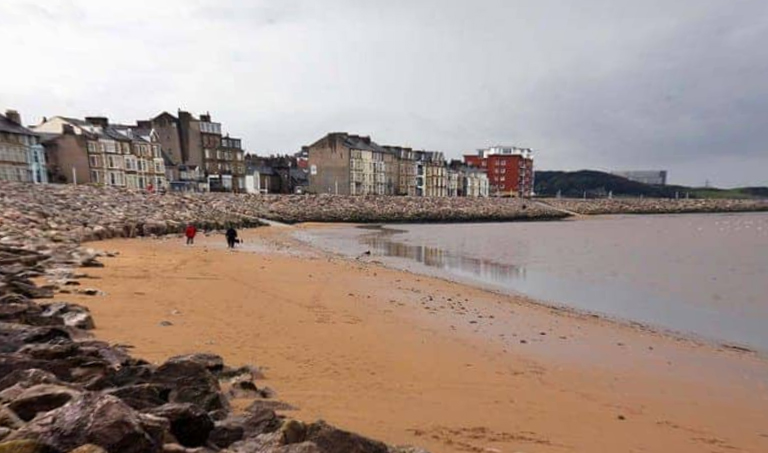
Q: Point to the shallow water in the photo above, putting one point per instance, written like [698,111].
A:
[705,274]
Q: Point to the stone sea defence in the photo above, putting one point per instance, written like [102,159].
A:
[380,209]
[655,205]
[63,391]
[85,213]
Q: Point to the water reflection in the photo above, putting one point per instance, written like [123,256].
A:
[382,242]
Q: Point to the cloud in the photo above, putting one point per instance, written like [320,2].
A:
[598,83]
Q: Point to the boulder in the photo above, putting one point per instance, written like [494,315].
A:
[71,315]
[333,440]
[28,378]
[9,419]
[39,398]
[226,432]
[10,363]
[191,382]
[88,448]
[91,418]
[25,446]
[123,376]
[46,351]
[142,396]
[212,362]
[243,388]
[190,425]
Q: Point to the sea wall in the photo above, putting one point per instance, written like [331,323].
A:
[376,209]
[654,205]
[92,213]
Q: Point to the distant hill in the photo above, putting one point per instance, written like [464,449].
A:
[598,184]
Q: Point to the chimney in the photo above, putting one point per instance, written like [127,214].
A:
[98,120]
[67,129]
[13,116]
[144,124]
[206,117]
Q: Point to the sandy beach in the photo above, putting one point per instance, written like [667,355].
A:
[418,360]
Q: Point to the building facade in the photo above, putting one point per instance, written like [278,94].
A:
[92,151]
[200,143]
[431,174]
[509,169]
[652,177]
[349,164]
[22,156]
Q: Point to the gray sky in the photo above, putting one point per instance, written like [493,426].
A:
[606,84]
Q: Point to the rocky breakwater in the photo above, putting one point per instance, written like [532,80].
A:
[655,205]
[390,209]
[57,213]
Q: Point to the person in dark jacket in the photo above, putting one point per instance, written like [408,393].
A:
[231,237]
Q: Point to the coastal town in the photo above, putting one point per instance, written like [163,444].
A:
[185,153]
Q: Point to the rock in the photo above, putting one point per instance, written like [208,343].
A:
[122,377]
[190,425]
[142,396]
[43,351]
[9,419]
[260,404]
[245,372]
[88,448]
[24,446]
[40,398]
[293,432]
[191,382]
[10,363]
[331,440]
[91,418]
[212,362]
[245,389]
[156,427]
[28,377]
[71,315]
[226,432]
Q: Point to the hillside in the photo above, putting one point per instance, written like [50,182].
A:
[599,184]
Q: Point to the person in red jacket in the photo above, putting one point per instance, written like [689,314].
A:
[190,233]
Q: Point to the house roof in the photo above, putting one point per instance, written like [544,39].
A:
[363,143]
[9,126]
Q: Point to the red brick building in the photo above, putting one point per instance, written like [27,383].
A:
[509,169]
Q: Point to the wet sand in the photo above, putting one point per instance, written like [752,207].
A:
[412,359]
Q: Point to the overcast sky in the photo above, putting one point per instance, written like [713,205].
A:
[603,84]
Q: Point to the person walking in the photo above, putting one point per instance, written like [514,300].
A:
[190,233]
[231,237]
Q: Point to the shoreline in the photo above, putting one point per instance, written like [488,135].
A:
[584,337]
[421,270]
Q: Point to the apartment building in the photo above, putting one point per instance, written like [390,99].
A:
[350,164]
[200,143]
[431,174]
[404,160]
[509,169]
[22,157]
[93,151]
